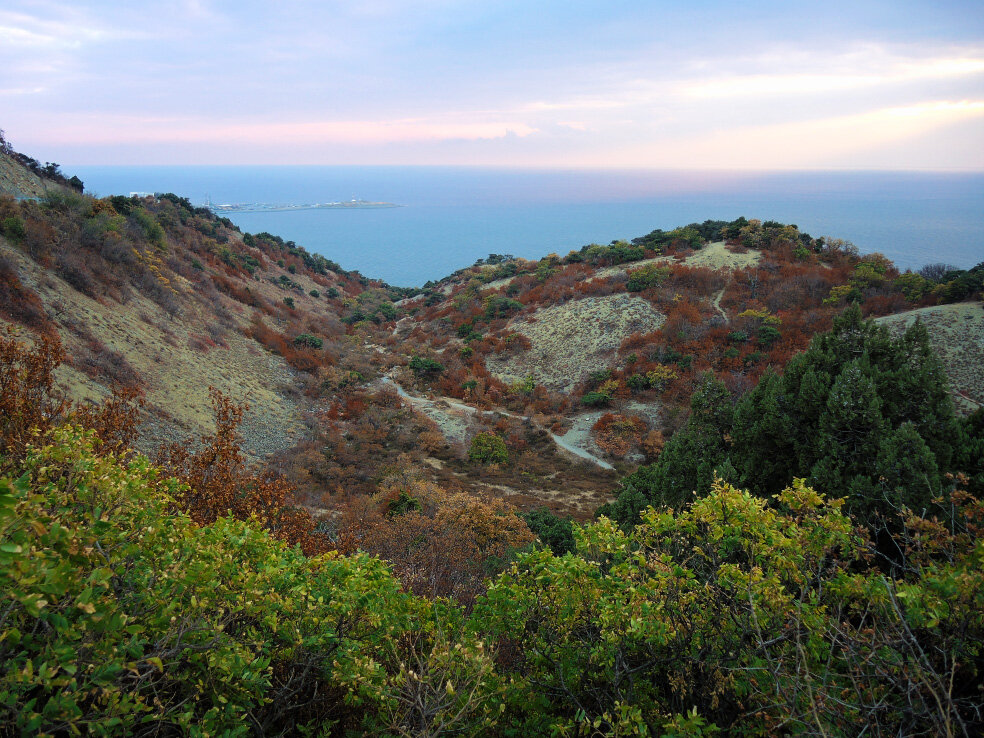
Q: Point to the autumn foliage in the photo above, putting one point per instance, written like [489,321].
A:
[617,435]
[217,482]
[29,401]
[440,543]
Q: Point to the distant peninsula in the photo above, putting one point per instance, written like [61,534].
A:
[260,207]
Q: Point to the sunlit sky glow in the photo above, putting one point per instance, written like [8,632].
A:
[701,84]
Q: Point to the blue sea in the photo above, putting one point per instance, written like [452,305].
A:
[451,216]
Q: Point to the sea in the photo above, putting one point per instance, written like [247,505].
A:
[451,216]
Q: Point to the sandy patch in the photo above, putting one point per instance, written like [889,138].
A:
[175,375]
[580,435]
[957,334]
[713,256]
[572,340]
[718,256]
[19,181]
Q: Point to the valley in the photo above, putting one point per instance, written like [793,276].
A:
[243,488]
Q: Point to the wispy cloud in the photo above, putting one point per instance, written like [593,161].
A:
[842,141]
[897,72]
[355,132]
[549,83]
[69,29]
[14,91]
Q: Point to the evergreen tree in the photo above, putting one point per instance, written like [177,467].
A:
[764,432]
[861,414]
[689,462]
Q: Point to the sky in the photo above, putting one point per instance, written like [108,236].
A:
[702,84]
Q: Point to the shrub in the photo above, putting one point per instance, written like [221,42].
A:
[643,279]
[488,448]
[28,398]
[595,399]
[424,366]
[13,228]
[306,339]
[143,619]
[554,532]
[499,306]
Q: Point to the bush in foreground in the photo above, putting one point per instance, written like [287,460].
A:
[120,615]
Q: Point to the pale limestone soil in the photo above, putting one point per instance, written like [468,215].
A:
[718,256]
[176,375]
[20,182]
[957,334]
[713,256]
[455,421]
[572,340]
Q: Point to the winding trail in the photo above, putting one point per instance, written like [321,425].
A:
[717,303]
[434,405]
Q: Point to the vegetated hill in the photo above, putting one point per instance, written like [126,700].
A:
[25,178]
[629,329]
[956,332]
[135,604]
[157,294]
[581,365]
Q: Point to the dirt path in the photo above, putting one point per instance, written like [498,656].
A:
[437,407]
[717,303]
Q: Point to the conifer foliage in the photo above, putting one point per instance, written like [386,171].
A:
[860,414]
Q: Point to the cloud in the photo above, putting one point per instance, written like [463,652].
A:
[355,132]
[69,30]
[838,141]
[899,71]
[12,91]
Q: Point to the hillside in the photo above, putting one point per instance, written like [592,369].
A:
[583,365]
[597,494]
[957,334]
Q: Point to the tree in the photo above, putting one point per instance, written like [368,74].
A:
[689,460]
[424,366]
[488,448]
[554,532]
[860,414]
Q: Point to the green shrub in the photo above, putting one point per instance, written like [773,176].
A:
[595,399]
[499,306]
[554,532]
[306,339]
[768,334]
[13,228]
[120,614]
[424,366]
[643,279]
[488,448]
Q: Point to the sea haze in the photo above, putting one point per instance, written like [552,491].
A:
[451,216]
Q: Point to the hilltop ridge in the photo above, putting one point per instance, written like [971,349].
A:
[486,506]
[580,363]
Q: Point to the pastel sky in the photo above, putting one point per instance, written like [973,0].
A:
[756,84]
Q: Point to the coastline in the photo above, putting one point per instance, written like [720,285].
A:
[256,207]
